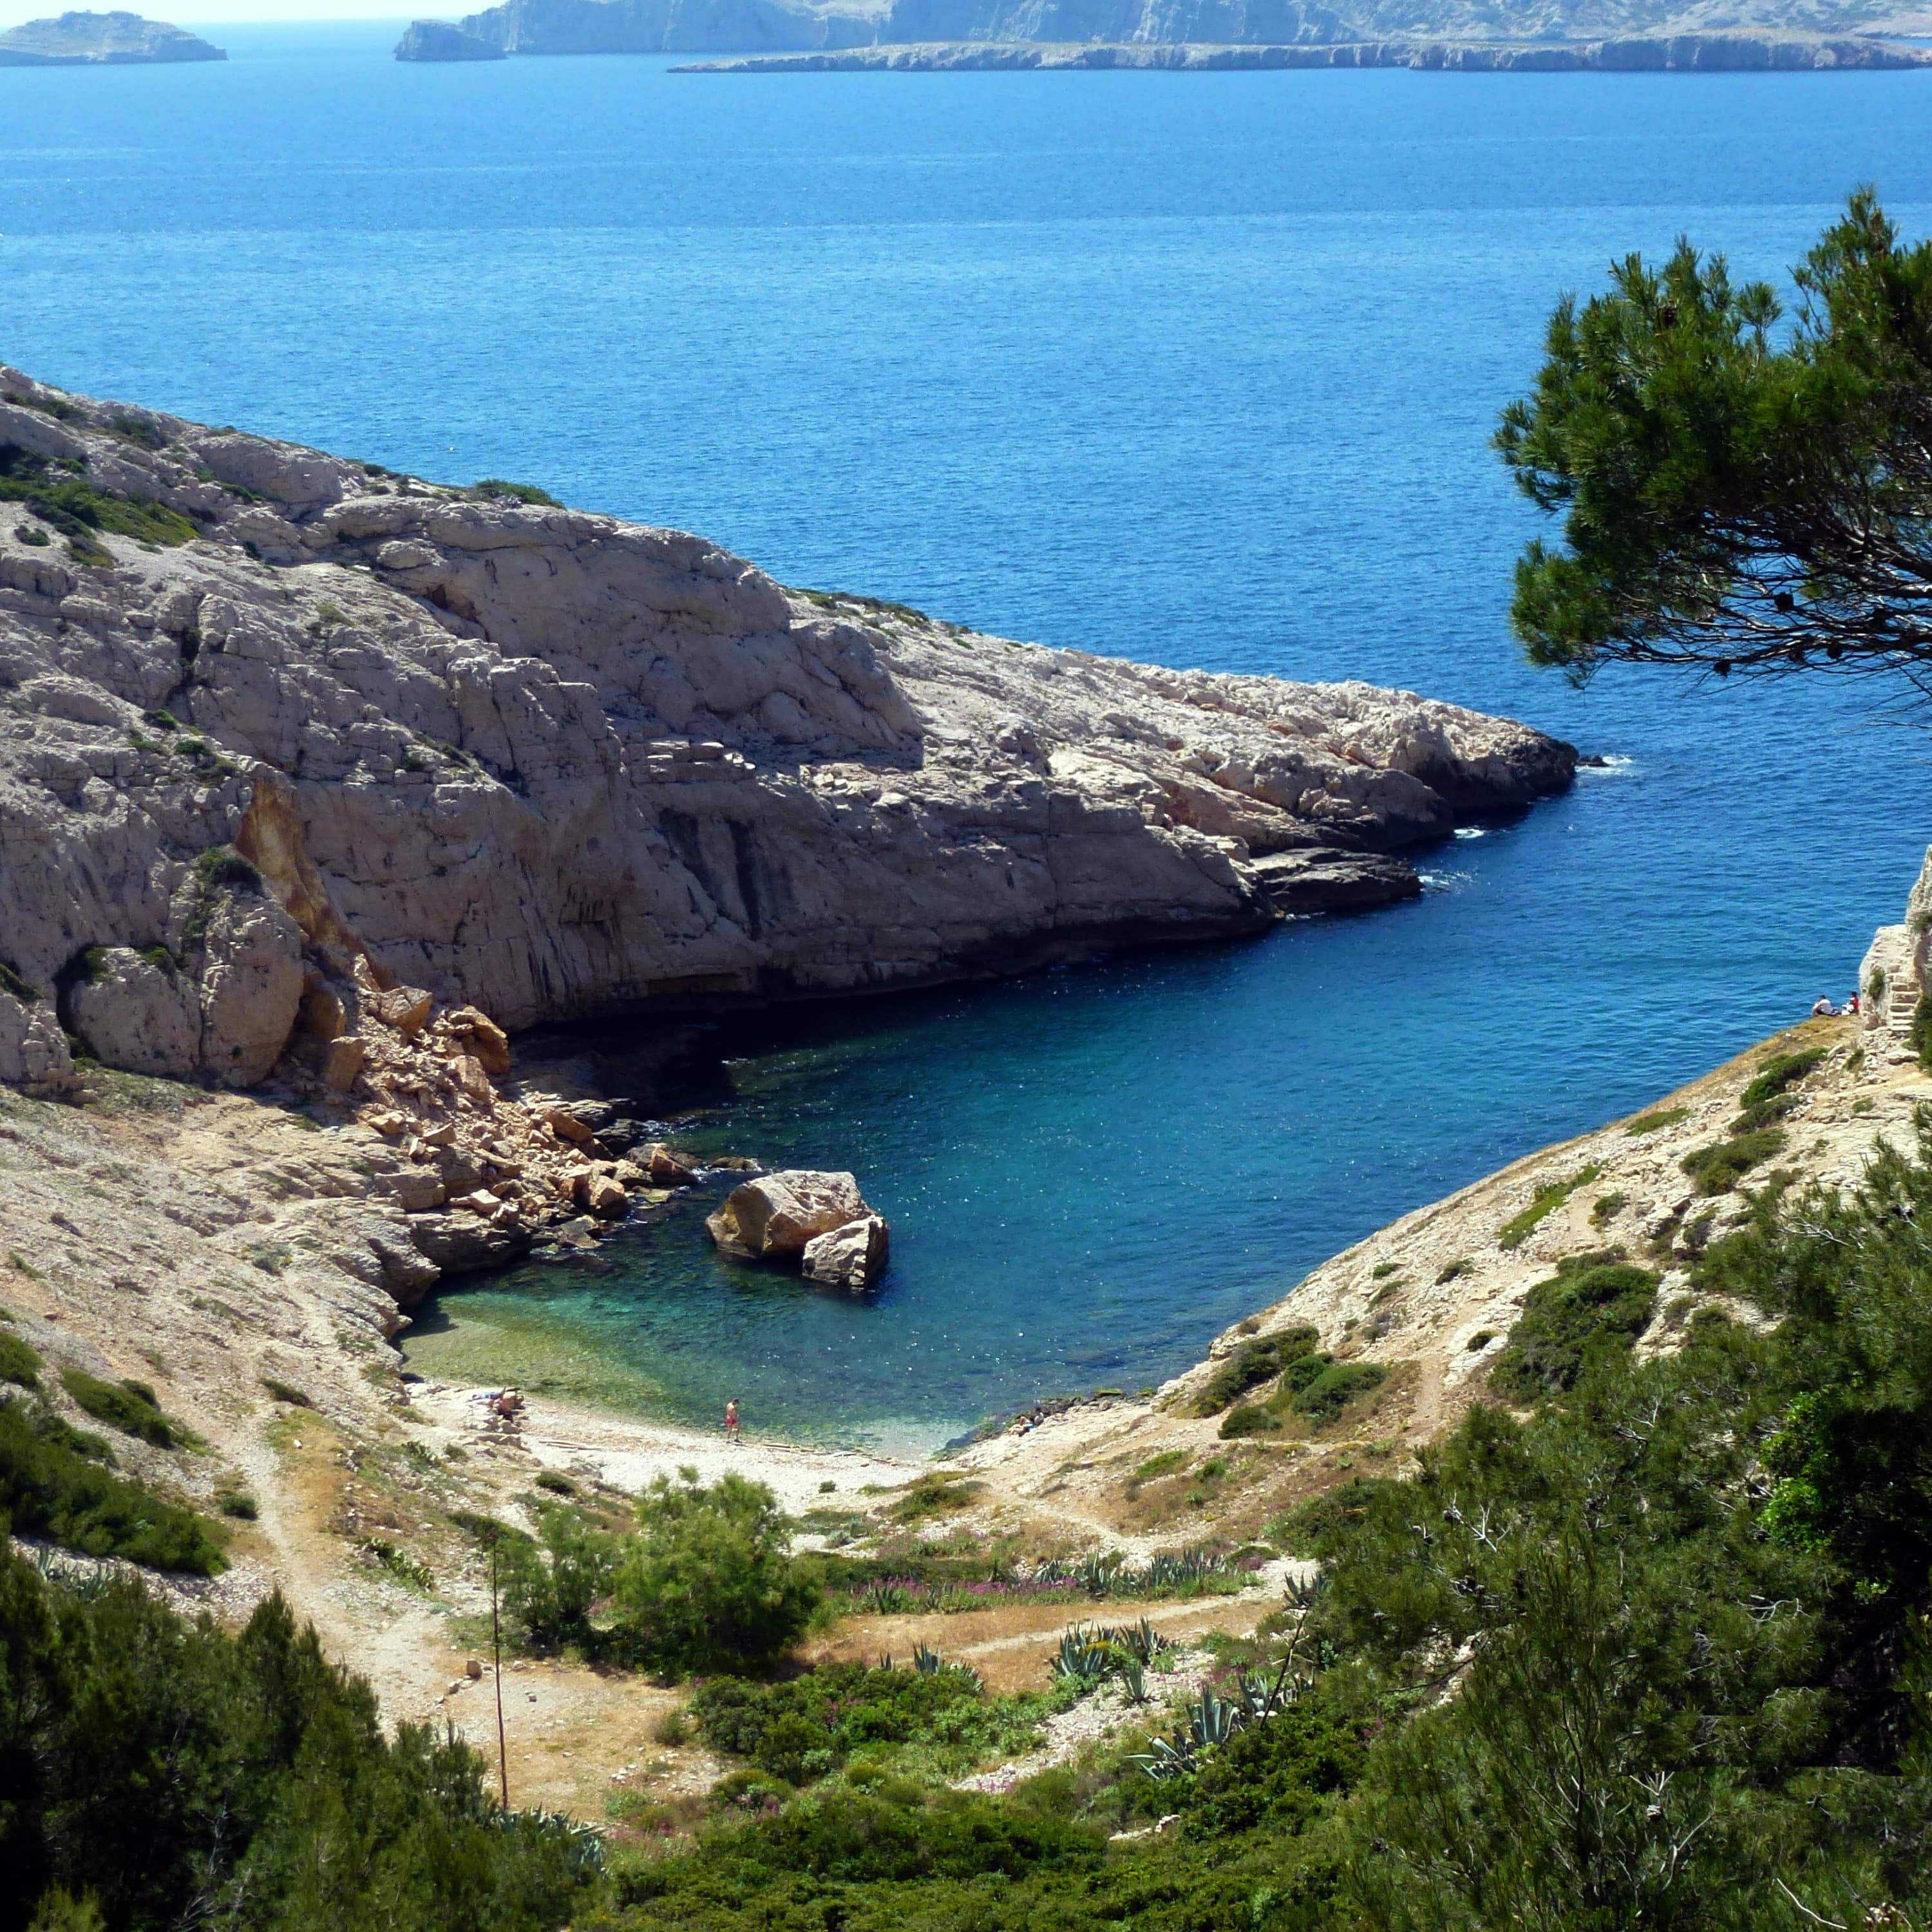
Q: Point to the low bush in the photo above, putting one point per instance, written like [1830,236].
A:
[1718,1169]
[1248,1419]
[1252,1363]
[1767,1097]
[1335,1388]
[938,1492]
[79,511]
[810,1726]
[129,1406]
[521,492]
[1566,1320]
[49,1486]
[1656,1121]
[19,1362]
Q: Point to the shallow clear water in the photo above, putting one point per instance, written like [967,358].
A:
[1195,368]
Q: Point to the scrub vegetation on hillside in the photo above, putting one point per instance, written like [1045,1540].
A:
[1650,1647]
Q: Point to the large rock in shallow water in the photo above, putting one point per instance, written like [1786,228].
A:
[1322,880]
[853,1256]
[779,1213]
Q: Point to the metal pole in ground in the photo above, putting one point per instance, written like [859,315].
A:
[496,1647]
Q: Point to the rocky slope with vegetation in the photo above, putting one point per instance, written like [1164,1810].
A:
[1612,1466]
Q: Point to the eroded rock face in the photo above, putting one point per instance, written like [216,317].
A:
[853,1256]
[780,1213]
[251,985]
[546,765]
[143,1015]
[33,1052]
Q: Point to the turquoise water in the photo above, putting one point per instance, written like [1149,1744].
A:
[1197,368]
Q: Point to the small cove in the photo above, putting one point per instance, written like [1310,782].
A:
[1196,369]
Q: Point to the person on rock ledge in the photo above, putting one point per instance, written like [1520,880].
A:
[731,1421]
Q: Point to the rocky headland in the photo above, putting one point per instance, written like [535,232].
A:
[1454,35]
[438,40]
[1682,53]
[290,736]
[101,39]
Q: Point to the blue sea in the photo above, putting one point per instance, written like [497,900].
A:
[1195,368]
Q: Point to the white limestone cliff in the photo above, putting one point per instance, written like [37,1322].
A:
[552,765]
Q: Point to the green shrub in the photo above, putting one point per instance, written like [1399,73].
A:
[19,1362]
[1718,1169]
[938,1492]
[1657,1121]
[78,510]
[1339,1384]
[283,1391]
[128,1406]
[1919,1034]
[523,493]
[1544,1201]
[222,868]
[707,1583]
[558,1485]
[49,1487]
[1248,1419]
[1565,1320]
[10,982]
[551,1585]
[1164,1464]
[1766,1098]
[812,1725]
[1252,1363]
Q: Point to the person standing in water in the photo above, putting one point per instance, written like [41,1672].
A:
[731,1421]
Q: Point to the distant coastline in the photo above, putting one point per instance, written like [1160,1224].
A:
[1686,53]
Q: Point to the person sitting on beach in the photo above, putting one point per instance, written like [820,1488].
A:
[731,1419]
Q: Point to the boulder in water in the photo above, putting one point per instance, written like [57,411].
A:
[778,1213]
[853,1256]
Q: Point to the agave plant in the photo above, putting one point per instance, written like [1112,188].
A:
[1141,1641]
[1085,1656]
[1133,1678]
[927,1663]
[886,1599]
[1213,1720]
[1162,1760]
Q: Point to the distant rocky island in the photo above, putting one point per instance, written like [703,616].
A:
[1470,35]
[102,39]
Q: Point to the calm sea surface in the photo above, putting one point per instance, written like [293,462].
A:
[1194,368]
